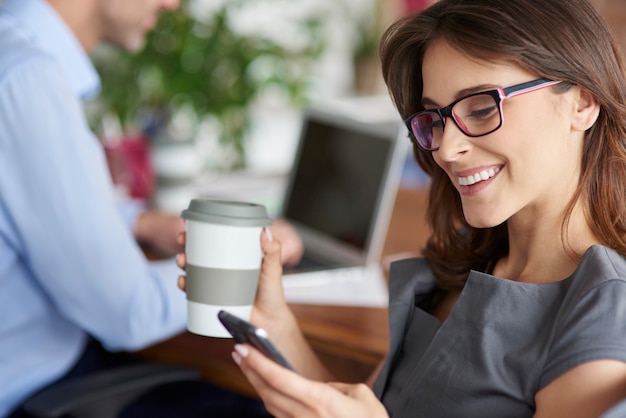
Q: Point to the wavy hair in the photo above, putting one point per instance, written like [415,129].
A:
[555,39]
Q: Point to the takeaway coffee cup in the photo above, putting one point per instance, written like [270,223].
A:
[223,261]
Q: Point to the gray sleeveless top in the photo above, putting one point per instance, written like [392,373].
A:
[503,341]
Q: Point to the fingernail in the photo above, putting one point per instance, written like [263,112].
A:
[268,234]
[179,257]
[236,357]
[242,350]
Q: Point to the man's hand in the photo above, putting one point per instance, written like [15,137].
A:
[159,231]
[291,243]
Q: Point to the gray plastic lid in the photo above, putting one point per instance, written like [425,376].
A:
[225,212]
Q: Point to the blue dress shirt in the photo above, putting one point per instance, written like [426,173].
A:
[69,264]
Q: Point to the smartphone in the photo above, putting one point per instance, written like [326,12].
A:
[244,332]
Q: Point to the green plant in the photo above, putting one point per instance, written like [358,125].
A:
[203,64]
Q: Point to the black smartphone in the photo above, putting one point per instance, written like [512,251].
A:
[244,332]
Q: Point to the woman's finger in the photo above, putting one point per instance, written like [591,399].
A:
[364,395]
[181,260]
[182,283]
[270,300]
[181,238]
[271,264]
[270,381]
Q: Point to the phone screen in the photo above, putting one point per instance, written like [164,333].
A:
[244,332]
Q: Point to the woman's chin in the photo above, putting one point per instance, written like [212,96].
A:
[482,221]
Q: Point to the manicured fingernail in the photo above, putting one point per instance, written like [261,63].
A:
[268,234]
[236,357]
[242,350]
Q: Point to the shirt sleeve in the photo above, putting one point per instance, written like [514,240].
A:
[130,209]
[58,199]
[592,328]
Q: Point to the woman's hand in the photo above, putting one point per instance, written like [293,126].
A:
[287,394]
[181,259]
[270,308]
[291,251]
[270,311]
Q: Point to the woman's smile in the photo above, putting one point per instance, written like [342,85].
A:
[482,175]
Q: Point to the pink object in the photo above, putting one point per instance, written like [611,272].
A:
[415,5]
[130,164]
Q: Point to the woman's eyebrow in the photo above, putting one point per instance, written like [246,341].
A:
[427,101]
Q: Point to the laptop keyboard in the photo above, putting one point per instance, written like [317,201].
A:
[322,277]
[310,263]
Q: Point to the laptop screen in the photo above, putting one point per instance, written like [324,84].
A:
[343,183]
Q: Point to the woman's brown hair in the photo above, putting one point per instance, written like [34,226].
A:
[555,39]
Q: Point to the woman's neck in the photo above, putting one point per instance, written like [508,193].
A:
[540,252]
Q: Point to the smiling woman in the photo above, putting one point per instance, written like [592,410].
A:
[515,178]
[516,308]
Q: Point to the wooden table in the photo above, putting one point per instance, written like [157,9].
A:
[351,341]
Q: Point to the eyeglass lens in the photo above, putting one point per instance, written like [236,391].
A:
[475,115]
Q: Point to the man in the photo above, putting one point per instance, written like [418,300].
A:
[71,271]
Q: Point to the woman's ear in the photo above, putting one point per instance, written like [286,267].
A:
[585,109]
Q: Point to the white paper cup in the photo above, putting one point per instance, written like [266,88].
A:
[223,261]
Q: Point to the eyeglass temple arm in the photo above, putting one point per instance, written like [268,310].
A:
[528,86]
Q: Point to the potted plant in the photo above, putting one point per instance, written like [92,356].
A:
[197,67]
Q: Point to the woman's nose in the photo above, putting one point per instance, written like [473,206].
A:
[453,142]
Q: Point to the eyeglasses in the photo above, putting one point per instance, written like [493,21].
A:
[477,114]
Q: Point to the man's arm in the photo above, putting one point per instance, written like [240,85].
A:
[56,190]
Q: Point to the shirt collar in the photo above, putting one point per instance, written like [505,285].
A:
[48,30]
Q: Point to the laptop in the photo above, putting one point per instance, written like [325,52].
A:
[340,195]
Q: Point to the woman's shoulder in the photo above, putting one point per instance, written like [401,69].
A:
[589,324]
[598,265]
[411,276]
[412,263]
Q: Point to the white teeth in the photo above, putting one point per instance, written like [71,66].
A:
[475,178]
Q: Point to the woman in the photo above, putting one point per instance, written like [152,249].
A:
[517,112]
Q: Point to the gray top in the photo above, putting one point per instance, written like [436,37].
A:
[503,341]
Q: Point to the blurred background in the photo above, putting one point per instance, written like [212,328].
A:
[221,84]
